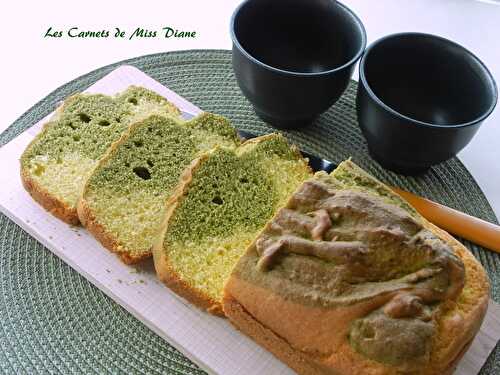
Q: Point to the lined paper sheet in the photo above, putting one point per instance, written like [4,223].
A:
[209,341]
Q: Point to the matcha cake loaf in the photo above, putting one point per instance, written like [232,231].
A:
[56,164]
[123,201]
[223,201]
[348,278]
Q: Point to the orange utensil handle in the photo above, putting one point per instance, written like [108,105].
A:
[471,228]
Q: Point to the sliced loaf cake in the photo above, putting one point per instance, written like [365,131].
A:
[124,199]
[223,201]
[56,164]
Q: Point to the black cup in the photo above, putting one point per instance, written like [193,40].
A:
[421,98]
[293,58]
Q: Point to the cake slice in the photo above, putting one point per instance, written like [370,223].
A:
[123,201]
[348,279]
[56,164]
[225,198]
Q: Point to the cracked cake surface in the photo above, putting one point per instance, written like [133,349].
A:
[348,273]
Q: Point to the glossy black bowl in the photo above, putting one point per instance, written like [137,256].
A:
[293,58]
[421,98]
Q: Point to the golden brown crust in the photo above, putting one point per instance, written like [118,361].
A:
[453,364]
[107,240]
[295,359]
[458,322]
[53,205]
[49,202]
[172,279]
[458,334]
[265,337]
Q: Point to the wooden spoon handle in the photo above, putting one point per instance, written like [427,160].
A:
[468,227]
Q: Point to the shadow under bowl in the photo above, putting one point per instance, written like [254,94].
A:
[293,58]
[421,98]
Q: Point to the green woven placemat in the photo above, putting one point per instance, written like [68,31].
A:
[54,321]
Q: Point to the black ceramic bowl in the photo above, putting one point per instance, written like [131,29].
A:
[421,98]
[294,58]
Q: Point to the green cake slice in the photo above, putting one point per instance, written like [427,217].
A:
[224,200]
[124,199]
[56,164]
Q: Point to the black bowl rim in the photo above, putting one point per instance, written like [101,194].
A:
[487,73]
[305,74]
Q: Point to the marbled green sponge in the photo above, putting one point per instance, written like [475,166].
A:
[125,198]
[226,198]
[56,164]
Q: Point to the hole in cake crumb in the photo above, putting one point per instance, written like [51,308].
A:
[76,137]
[217,200]
[118,119]
[368,332]
[150,163]
[127,164]
[138,143]
[84,117]
[133,101]
[244,180]
[72,126]
[142,172]
[104,123]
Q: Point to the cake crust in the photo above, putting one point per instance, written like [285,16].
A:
[458,336]
[281,349]
[313,330]
[50,203]
[109,242]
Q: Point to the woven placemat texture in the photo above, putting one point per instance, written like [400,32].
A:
[54,321]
